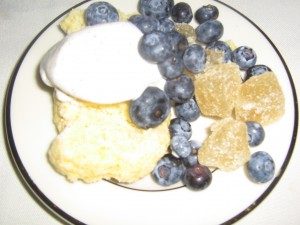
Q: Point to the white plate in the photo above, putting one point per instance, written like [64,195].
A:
[230,196]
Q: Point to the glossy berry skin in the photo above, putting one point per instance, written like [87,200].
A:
[150,109]
[206,12]
[260,167]
[156,8]
[166,25]
[145,24]
[180,89]
[197,177]
[256,70]
[180,127]
[172,67]
[169,170]
[189,110]
[194,58]
[256,133]
[182,13]
[181,146]
[221,46]
[245,57]
[100,12]
[155,47]
[178,42]
[209,31]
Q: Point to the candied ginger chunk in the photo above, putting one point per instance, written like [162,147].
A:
[187,30]
[214,57]
[226,147]
[74,21]
[261,99]
[217,88]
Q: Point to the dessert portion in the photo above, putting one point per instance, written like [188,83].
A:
[95,74]
[115,83]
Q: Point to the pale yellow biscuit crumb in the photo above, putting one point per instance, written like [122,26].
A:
[226,147]
[73,22]
[231,44]
[100,142]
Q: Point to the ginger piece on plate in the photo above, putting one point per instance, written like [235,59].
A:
[214,57]
[261,99]
[226,147]
[217,89]
[187,30]
[74,21]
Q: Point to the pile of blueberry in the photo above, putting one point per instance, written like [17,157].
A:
[161,44]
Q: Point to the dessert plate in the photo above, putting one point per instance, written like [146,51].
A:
[29,127]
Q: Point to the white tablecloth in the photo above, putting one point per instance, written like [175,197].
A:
[21,20]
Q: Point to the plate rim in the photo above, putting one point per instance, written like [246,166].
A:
[42,198]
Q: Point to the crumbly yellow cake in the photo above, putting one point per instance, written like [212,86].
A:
[100,141]
[73,22]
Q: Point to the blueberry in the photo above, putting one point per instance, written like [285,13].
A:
[146,24]
[181,146]
[209,31]
[180,89]
[156,8]
[150,109]
[256,70]
[100,12]
[261,167]
[169,170]
[256,133]
[166,25]
[188,110]
[180,127]
[172,67]
[195,145]
[178,42]
[197,177]
[194,58]
[221,46]
[207,12]
[192,159]
[155,47]
[244,57]
[182,13]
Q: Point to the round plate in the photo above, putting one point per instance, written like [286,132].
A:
[28,117]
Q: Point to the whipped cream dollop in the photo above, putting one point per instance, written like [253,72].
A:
[99,64]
